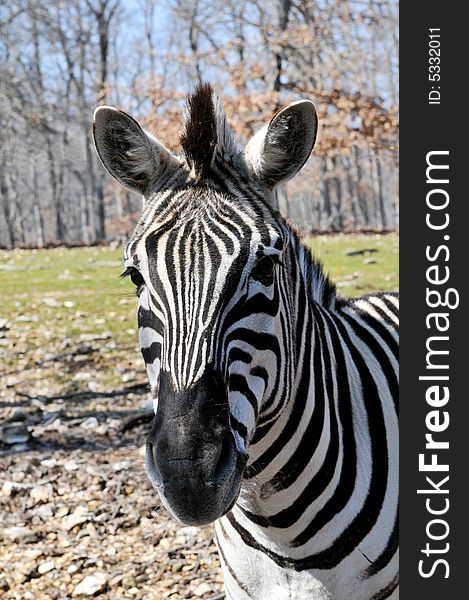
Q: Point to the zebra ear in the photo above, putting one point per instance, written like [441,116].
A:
[279,150]
[129,154]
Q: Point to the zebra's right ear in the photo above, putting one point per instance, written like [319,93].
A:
[278,151]
[129,154]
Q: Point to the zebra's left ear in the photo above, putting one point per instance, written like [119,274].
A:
[278,151]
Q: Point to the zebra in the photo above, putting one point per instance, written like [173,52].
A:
[275,398]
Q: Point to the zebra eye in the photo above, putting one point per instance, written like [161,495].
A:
[263,270]
[135,276]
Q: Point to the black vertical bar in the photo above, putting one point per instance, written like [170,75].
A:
[433,119]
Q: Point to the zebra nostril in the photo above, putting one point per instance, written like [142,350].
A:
[225,459]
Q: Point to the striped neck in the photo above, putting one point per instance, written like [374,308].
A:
[305,406]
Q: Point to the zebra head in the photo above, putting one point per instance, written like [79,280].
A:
[209,263]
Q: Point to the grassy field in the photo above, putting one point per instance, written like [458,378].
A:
[61,296]
[89,276]
[63,301]
[375,269]
[60,299]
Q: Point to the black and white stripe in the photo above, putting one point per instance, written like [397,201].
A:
[309,379]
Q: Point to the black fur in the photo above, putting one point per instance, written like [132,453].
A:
[199,139]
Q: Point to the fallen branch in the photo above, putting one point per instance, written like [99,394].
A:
[137,388]
[140,419]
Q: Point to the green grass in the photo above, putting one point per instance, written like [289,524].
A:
[77,275]
[66,276]
[58,301]
[55,300]
[360,274]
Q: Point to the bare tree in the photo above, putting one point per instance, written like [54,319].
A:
[59,60]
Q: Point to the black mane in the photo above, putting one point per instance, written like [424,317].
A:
[200,136]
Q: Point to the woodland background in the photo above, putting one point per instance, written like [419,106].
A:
[59,60]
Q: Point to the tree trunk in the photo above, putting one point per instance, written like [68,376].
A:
[283,15]
[6,208]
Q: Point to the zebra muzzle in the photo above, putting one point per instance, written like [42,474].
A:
[199,485]
[192,457]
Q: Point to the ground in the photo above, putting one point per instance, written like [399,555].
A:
[79,517]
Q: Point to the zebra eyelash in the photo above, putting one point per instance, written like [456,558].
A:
[135,276]
[126,273]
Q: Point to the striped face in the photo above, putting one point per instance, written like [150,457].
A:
[207,286]
[207,261]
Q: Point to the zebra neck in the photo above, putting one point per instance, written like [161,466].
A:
[297,448]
